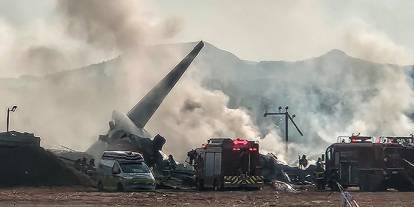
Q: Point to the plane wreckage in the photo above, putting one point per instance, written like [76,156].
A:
[126,131]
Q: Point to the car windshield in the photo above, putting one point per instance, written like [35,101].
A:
[134,167]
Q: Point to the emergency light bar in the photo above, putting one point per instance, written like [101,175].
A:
[239,141]
[357,139]
[398,140]
[354,139]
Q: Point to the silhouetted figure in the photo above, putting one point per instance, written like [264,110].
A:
[172,162]
[320,175]
[319,164]
[91,168]
[91,163]
[192,155]
[78,164]
[83,165]
[303,162]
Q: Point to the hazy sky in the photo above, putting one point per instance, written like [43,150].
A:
[275,29]
[278,29]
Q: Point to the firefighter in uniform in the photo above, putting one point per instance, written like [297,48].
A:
[303,162]
[320,175]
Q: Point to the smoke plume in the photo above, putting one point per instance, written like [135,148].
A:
[220,95]
[71,108]
[334,94]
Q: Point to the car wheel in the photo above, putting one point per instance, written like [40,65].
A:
[153,188]
[200,185]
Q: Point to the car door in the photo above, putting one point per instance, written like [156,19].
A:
[114,176]
[107,174]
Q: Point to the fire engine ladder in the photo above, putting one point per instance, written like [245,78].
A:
[406,175]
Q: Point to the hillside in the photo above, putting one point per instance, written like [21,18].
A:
[333,94]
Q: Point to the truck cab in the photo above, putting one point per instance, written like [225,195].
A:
[124,171]
[347,163]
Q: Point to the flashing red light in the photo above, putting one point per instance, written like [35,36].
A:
[204,145]
[239,141]
[252,149]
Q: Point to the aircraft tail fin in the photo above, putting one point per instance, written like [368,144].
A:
[146,107]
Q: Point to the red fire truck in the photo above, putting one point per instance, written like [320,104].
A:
[225,162]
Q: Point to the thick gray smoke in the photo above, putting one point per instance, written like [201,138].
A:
[73,108]
[220,95]
[110,25]
[192,114]
[332,95]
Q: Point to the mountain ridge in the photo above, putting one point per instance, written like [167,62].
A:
[331,94]
[333,53]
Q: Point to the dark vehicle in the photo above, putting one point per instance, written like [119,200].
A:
[224,163]
[124,171]
[373,164]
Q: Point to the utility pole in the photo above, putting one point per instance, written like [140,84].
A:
[12,109]
[288,117]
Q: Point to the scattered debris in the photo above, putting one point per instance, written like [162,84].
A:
[273,169]
[283,187]
[346,198]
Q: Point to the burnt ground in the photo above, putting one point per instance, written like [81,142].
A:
[80,196]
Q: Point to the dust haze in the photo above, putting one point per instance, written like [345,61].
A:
[74,110]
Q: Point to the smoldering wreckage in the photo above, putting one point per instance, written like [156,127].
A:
[129,158]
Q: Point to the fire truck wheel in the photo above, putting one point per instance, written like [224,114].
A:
[215,185]
[371,182]
[320,186]
[200,184]
[333,186]
[100,186]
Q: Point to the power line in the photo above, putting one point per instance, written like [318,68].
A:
[288,117]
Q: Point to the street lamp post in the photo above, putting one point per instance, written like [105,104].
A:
[12,109]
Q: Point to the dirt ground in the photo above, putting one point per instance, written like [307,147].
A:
[79,196]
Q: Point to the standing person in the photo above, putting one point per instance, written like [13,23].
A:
[303,162]
[83,165]
[320,175]
[172,162]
